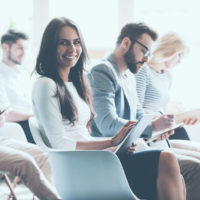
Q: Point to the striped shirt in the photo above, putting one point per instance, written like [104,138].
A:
[153,89]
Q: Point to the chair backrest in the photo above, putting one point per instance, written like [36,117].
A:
[36,133]
[85,175]
[89,175]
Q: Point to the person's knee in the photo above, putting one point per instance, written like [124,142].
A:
[169,163]
[190,167]
[167,157]
[26,166]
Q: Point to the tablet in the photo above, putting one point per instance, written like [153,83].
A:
[134,134]
[159,133]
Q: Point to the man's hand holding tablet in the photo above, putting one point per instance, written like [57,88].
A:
[164,134]
[163,122]
[127,144]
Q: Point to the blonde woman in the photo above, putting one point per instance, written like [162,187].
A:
[153,84]
[154,80]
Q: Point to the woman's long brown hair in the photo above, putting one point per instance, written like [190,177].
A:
[46,65]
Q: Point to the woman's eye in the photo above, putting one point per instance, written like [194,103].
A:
[77,42]
[62,42]
[68,43]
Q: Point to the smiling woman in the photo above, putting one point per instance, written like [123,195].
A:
[68,51]
[61,58]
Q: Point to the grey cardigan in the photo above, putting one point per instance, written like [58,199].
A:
[110,100]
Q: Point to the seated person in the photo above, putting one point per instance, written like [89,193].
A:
[29,163]
[62,104]
[13,81]
[154,80]
[12,130]
[153,83]
[115,97]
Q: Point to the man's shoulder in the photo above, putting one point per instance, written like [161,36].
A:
[3,70]
[22,70]
[105,68]
[103,65]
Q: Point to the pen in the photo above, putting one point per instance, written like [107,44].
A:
[1,112]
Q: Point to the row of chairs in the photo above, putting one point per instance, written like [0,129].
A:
[85,175]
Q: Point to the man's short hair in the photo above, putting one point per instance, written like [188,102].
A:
[12,36]
[135,30]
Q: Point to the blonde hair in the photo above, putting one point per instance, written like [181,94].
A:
[167,46]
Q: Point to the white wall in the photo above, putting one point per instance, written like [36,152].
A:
[100,22]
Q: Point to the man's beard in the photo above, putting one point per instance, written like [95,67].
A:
[12,59]
[130,61]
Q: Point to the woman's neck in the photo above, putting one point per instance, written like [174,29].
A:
[158,67]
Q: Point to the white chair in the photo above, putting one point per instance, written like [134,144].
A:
[36,133]
[86,175]
[13,130]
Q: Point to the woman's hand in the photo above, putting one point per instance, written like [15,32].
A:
[116,140]
[191,121]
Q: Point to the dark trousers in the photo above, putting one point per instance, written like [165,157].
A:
[141,170]
[180,134]
[27,131]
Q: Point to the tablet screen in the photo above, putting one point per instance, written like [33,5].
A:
[134,133]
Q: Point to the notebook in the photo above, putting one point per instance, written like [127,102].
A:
[134,134]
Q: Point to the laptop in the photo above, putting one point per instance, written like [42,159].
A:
[134,134]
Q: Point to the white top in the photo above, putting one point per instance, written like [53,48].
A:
[59,133]
[13,89]
[129,87]
[79,131]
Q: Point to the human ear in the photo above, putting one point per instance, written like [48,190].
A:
[126,43]
[5,47]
